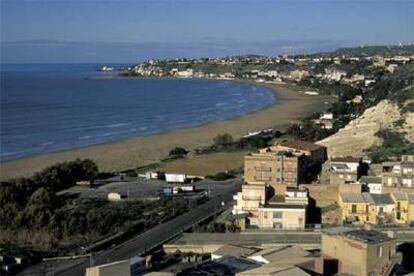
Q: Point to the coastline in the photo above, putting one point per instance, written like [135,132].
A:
[290,106]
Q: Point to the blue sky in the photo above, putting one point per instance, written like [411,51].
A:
[84,31]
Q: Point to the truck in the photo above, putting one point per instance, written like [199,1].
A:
[175,178]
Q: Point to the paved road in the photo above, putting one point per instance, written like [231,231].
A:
[159,234]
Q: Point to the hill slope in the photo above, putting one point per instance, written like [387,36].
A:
[360,133]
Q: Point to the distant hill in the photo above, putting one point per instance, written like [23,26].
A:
[390,50]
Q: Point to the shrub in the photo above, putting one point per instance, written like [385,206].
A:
[177,151]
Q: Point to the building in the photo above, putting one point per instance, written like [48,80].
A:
[274,168]
[399,174]
[384,207]
[284,211]
[289,163]
[344,170]
[315,152]
[397,207]
[404,207]
[232,250]
[130,267]
[374,184]
[357,208]
[264,210]
[357,252]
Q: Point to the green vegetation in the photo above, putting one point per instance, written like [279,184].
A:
[35,217]
[393,145]
[376,50]
[308,131]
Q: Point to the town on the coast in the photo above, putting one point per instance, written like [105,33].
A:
[330,194]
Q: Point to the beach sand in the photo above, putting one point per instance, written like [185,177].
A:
[133,152]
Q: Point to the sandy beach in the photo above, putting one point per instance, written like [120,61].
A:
[133,152]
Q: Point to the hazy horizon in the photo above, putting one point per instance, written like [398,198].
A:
[54,31]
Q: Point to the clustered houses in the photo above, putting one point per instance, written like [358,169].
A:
[315,68]
[270,197]
[385,198]
[399,174]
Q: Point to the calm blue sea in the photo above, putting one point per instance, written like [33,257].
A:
[46,108]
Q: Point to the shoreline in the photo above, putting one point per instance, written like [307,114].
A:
[127,153]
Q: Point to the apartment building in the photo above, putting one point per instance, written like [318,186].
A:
[286,210]
[289,163]
[399,174]
[358,252]
[344,170]
[274,168]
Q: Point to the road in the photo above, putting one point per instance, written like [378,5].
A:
[159,234]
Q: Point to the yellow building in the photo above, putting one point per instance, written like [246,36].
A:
[358,252]
[358,207]
[404,207]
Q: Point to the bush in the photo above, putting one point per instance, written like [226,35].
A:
[223,140]
[393,145]
[177,151]
[221,176]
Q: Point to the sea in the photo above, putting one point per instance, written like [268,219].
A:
[53,107]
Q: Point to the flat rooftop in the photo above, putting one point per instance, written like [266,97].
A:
[368,236]
[248,238]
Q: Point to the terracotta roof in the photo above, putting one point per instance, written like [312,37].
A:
[348,159]
[301,145]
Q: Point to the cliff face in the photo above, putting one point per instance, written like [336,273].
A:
[359,134]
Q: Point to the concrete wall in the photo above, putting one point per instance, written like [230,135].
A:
[122,268]
[323,194]
[291,218]
[356,257]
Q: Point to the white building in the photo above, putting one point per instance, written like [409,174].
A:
[373,183]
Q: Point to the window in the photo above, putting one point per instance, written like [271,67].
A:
[398,215]
[354,208]
[277,225]
[381,210]
[367,209]
[398,205]
[379,251]
[277,215]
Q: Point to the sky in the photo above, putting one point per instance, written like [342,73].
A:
[127,31]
